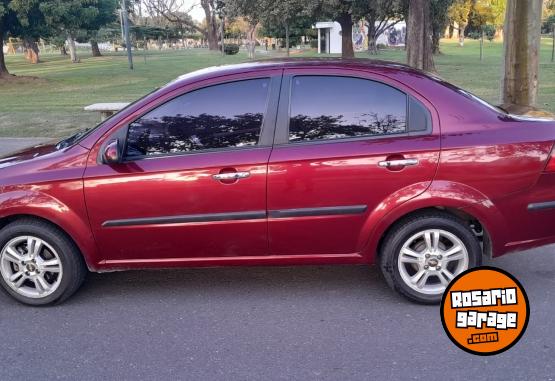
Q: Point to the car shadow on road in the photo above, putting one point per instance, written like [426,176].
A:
[271,281]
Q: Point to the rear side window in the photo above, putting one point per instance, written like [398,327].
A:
[222,116]
[327,107]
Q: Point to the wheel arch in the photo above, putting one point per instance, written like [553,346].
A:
[87,249]
[455,199]
[480,231]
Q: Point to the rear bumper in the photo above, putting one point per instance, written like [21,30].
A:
[529,216]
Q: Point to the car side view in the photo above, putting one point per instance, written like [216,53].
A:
[284,162]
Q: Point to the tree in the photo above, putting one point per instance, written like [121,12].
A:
[345,12]
[459,13]
[23,19]
[419,36]
[298,27]
[106,15]
[440,21]
[69,17]
[8,19]
[521,54]
[381,15]
[175,12]
[285,13]
[32,26]
[252,12]
[209,7]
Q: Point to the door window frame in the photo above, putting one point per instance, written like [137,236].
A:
[284,109]
[267,128]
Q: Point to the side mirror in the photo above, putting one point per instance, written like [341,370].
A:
[112,153]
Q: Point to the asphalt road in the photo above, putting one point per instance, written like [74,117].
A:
[264,323]
[8,145]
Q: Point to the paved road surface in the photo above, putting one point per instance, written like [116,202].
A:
[274,323]
[8,145]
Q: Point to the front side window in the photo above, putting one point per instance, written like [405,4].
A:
[217,117]
[328,107]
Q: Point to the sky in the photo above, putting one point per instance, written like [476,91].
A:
[197,13]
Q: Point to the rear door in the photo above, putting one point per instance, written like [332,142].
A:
[346,144]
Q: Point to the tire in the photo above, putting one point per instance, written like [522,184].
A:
[57,260]
[420,255]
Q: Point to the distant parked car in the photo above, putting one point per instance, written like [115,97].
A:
[282,163]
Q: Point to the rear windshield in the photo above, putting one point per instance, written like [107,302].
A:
[468,95]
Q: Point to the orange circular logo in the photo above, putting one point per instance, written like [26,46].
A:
[485,311]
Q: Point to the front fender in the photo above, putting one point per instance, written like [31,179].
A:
[439,194]
[70,217]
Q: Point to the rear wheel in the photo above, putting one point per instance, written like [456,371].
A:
[39,265]
[422,254]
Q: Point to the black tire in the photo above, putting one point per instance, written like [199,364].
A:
[404,229]
[73,265]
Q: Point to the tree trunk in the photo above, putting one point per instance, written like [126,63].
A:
[346,22]
[482,45]
[462,27]
[553,45]
[63,50]
[252,41]
[521,54]
[451,31]
[287,37]
[3,69]
[435,43]
[372,46]
[72,48]
[211,24]
[31,51]
[95,49]
[222,34]
[419,36]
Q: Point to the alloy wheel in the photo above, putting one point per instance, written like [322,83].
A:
[430,259]
[31,267]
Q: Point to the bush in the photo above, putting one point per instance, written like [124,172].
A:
[476,34]
[314,44]
[547,26]
[231,49]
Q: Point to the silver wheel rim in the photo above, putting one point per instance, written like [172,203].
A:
[430,259]
[31,267]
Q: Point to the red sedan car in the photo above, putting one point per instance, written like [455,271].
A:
[282,163]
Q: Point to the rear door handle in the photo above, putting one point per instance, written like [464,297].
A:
[398,163]
[231,176]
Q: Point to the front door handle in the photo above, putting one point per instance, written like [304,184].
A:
[231,176]
[398,163]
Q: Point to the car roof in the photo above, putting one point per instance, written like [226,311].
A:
[284,63]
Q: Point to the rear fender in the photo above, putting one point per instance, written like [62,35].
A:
[440,194]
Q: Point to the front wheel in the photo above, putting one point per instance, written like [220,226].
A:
[422,255]
[39,264]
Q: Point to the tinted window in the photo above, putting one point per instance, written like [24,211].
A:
[419,116]
[344,107]
[220,116]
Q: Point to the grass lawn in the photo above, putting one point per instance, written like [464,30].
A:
[52,104]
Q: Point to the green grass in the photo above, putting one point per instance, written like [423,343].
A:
[52,105]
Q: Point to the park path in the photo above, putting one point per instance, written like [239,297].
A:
[8,145]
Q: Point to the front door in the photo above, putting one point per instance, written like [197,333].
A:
[193,182]
[346,146]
